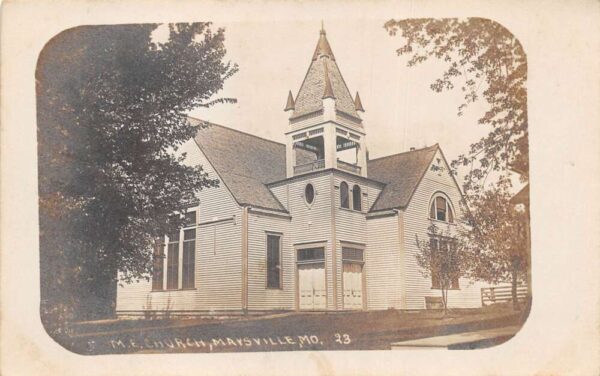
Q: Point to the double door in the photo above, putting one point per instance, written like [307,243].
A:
[311,285]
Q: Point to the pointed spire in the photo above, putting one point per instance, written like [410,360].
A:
[328,93]
[358,104]
[318,85]
[290,102]
[323,47]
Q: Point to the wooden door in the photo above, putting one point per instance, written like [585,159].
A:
[353,294]
[311,286]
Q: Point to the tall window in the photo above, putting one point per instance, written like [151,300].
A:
[356,198]
[188,270]
[438,246]
[182,243]
[344,196]
[273,261]
[158,260]
[441,210]
[173,261]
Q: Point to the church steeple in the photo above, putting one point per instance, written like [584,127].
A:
[323,81]
[325,129]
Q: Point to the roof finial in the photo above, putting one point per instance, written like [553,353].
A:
[357,103]
[323,48]
[290,102]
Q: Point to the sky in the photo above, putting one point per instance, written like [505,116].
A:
[401,109]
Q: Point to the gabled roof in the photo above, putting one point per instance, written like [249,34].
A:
[323,71]
[401,173]
[245,163]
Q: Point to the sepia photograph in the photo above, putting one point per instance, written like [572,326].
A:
[296,187]
[163,230]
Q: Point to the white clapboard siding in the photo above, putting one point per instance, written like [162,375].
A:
[307,121]
[313,223]
[260,297]
[218,256]
[350,124]
[417,221]
[350,225]
[383,265]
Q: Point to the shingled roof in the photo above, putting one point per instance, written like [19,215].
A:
[323,72]
[401,173]
[245,163]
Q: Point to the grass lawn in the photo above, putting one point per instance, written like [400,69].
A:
[286,332]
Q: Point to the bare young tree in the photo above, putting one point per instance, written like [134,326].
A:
[441,258]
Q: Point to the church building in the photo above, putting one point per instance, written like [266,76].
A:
[309,225]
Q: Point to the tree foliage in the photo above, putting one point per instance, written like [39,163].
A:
[111,114]
[485,60]
[497,238]
[441,257]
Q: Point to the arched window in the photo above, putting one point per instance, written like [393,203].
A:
[309,193]
[441,209]
[344,199]
[356,198]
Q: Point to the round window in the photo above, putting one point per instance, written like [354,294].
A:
[309,193]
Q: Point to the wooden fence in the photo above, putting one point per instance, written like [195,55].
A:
[492,295]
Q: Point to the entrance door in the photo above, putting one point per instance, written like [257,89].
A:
[311,285]
[353,294]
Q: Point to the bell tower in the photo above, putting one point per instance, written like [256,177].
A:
[325,130]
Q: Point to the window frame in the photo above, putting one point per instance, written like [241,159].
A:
[344,188]
[158,254]
[314,194]
[190,271]
[353,249]
[319,245]
[179,261]
[173,263]
[280,263]
[432,208]
[356,197]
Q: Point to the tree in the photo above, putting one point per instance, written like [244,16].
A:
[497,240]
[483,58]
[441,258]
[111,115]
